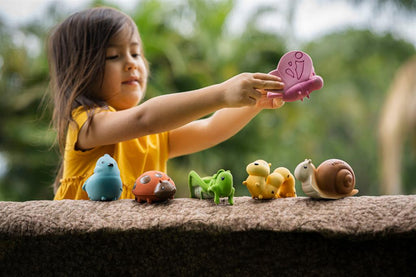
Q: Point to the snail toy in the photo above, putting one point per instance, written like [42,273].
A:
[216,186]
[154,186]
[263,185]
[333,179]
[296,70]
[105,183]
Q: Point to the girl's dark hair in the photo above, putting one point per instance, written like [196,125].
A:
[76,52]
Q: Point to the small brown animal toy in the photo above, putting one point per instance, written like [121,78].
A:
[154,186]
[333,179]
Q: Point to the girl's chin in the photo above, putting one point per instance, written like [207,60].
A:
[125,105]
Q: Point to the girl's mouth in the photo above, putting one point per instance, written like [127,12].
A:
[133,81]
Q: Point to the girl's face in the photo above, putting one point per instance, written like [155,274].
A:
[125,74]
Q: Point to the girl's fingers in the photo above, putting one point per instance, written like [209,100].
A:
[264,76]
[267,81]
[269,85]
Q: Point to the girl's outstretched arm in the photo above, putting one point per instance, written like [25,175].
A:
[223,124]
[172,111]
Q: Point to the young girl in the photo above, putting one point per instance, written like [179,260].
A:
[98,77]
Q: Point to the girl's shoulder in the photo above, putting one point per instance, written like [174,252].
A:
[81,114]
[91,111]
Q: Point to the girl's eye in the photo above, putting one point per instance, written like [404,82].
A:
[135,55]
[111,57]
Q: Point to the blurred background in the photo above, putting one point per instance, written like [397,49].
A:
[362,49]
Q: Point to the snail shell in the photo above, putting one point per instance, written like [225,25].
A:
[335,177]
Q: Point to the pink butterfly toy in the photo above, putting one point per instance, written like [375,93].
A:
[296,70]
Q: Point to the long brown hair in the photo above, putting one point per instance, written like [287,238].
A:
[76,52]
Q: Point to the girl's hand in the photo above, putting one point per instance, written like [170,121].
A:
[244,89]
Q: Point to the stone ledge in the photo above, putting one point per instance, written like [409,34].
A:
[368,235]
[353,216]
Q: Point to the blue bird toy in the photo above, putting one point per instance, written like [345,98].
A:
[105,184]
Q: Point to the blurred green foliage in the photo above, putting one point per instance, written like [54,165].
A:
[189,46]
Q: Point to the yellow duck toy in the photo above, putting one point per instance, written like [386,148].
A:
[263,185]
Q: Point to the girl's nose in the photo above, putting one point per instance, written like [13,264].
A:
[130,64]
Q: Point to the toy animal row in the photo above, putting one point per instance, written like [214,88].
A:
[333,179]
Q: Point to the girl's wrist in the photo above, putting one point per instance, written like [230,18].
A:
[220,90]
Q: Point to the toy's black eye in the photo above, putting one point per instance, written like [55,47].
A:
[256,163]
[305,167]
[145,179]
[222,178]
[158,175]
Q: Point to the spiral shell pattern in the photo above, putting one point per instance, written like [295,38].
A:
[335,177]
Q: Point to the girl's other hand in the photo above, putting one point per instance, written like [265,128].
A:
[245,89]
[269,103]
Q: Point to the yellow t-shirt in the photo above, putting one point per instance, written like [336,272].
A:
[133,158]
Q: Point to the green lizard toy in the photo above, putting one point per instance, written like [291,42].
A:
[216,186]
